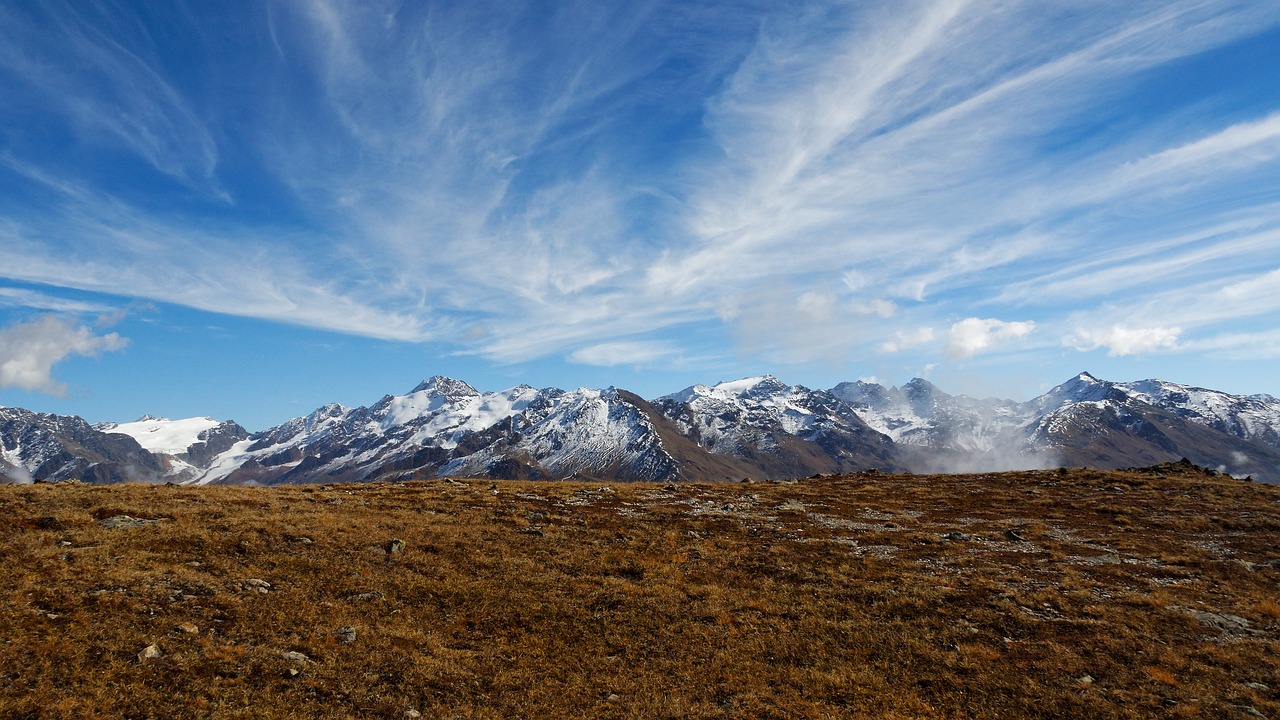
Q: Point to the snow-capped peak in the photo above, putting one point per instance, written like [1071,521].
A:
[445,386]
[161,435]
[753,385]
[761,386]
[1081,388]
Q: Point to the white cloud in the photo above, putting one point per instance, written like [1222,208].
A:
[21,298]
[1122,340]
[29,350]
[905,340]
[879,306]
[974,335]
[622,353]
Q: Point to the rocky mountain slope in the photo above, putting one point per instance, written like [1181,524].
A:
[756,428]
[58,448]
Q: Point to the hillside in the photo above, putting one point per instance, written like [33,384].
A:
[1128,594]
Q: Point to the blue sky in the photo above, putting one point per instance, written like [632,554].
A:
[246,210]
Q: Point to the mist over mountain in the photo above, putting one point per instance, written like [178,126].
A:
[754,428]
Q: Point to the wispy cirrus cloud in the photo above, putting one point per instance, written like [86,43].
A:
[811,177]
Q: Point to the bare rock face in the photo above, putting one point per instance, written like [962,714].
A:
[213,442]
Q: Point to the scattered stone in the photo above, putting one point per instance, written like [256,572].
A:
[1222,621]
[295,656]
[1014,536]
[150,652]
[189,628]
[1248,710]
[533,530]
[411,713]
[364,596]
[64,543]
[957,536]
[613,697]
[395,547]
[1085,680]
[1257,686]
[291,673]
[345,635]
[125,522]
[258,585]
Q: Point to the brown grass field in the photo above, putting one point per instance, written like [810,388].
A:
[1073,594]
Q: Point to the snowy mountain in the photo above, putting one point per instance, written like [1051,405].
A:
[446,427]
[182,447]
[751,428]
[37,446]
[1084,421]
[920,414]
[786,430]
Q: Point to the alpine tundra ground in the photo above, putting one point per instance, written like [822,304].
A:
[1072,594]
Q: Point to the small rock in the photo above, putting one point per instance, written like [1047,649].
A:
[957,536]
[365,596]
[189,628]
[150,652]
[1257,686]
[258,585]
[1013,535]
[395,547]
[411,713]
[1084,680]
[345,635]
[125,522]
[613,697]
[294,656]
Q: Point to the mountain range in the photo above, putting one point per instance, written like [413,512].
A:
[755,428]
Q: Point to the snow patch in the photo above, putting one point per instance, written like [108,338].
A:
[161,435]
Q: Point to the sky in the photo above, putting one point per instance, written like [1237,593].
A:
[246,210]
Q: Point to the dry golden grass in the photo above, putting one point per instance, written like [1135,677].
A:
[1037,594]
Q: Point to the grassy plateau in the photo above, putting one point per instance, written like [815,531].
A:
[1056,594]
